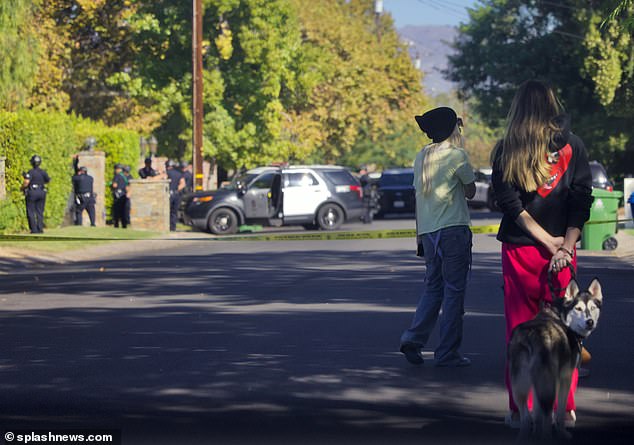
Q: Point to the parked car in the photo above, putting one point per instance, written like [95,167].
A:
[600,177]
[483,188]
[317,197]
[396,192]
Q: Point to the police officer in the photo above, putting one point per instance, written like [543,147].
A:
[147,171]
[35,193]
[177,184]
[186,169]
[127,172]
[369,195]
[120,194]
[84,196]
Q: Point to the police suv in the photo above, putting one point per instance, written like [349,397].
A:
[316,197]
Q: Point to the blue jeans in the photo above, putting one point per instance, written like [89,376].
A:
[448,259]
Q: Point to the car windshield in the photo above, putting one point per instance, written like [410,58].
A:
[244,179]
[401,179]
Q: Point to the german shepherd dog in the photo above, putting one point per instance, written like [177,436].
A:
[544,351]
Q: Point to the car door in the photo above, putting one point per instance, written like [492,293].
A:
[257,198]
[303,192]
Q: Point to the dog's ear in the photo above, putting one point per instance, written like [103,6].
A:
[571,291]
[595,290]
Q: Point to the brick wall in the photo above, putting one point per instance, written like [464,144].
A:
[149,204]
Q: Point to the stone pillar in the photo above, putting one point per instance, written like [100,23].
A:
[3,182]
[95,162]
[150,204]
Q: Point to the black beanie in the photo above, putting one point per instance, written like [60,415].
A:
[438,124]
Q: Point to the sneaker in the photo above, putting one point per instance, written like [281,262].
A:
[412,354]
[585,356]
[570,419]
[460,363]
[512,420]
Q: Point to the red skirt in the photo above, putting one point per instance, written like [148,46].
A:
[525,272]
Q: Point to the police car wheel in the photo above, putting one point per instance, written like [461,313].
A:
[330,217]
[223,222]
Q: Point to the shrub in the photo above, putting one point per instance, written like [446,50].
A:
[49,135]
[55,137]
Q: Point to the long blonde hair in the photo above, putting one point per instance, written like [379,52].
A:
[431,154]
[529,130]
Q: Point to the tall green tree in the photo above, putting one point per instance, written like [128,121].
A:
[363,87]
[508,41]
[284,80]
[18,52]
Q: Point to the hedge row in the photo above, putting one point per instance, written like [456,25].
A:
[55,137]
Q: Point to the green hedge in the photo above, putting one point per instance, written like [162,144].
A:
[51,136]
[55,137]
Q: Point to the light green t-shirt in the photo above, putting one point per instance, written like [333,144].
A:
[445,205]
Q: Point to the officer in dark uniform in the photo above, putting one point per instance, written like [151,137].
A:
[188,176]
[84,196]
[177,184]
[369,195]
[35,193]
[128,204]
[120,195]
[147,171]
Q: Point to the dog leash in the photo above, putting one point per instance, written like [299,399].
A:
[556,291]
[555,294]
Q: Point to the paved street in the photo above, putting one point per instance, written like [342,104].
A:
[270,342]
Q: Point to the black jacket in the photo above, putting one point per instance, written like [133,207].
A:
[564,201]
[82,184]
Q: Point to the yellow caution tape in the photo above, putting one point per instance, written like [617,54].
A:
[305,236]
[342,236]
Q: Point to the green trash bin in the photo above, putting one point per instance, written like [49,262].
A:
[598,233]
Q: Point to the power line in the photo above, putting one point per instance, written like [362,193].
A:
[448,7]
[444,8]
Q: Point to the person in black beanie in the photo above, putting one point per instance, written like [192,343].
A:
[443,177]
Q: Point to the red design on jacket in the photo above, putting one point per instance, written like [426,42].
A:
[557,171]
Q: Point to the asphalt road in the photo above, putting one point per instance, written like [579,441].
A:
[279,342]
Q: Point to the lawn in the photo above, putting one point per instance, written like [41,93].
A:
[71,238]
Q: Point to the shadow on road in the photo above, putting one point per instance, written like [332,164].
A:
[298,345]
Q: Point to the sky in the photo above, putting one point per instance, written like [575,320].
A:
[428,12]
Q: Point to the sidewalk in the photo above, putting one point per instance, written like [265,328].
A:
[12,258]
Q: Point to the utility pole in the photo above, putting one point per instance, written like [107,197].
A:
[197,97]
[378,10]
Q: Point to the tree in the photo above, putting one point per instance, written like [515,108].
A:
[18,52]
[284,80]
[509,41]
[622,7]
[361,90]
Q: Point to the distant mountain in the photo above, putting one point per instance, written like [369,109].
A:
[432,44]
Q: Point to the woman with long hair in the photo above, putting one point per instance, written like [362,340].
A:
[443,177]
[543,185]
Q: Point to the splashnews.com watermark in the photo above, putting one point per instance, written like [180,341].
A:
[62,437]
